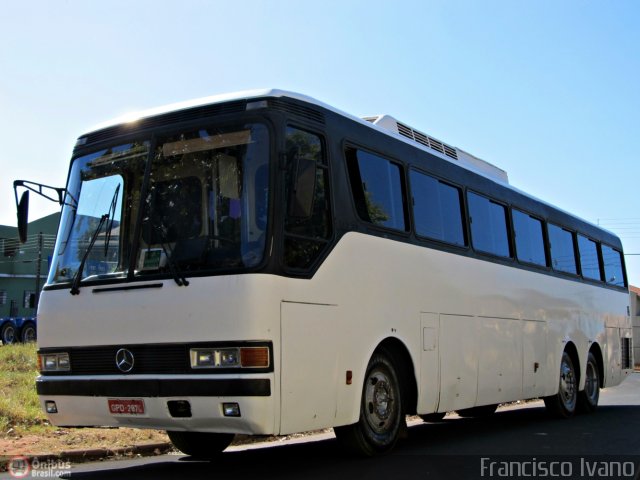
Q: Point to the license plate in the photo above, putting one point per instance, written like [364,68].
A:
[128,406]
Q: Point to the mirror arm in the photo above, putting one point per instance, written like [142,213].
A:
[39,187]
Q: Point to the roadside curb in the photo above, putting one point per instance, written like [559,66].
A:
[78,456]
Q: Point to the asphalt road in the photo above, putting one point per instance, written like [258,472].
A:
[454,448]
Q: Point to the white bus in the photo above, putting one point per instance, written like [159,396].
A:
[262,263]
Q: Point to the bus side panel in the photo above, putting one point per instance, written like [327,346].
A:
[310,350]
[500,361]
[430,363]
[534,344]
[614,354]
[459,349]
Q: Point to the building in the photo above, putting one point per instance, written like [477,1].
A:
[24,267]
[635,316]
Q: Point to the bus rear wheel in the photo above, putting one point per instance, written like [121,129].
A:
[381,411]
[201,445]
[563,404]
[588,398]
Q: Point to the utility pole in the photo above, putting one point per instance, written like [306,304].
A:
[38,270]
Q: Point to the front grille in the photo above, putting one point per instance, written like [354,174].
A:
[149,359]
[161,359]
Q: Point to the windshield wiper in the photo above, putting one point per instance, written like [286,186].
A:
[75,286]
[175,271]
[104,219]
[111,216]
[177,274]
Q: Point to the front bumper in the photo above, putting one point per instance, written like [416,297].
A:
[83,401]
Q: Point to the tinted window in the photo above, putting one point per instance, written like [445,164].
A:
[489,232]
[377,189]
[437,209]
[613,273]
[177,209]
[529,238]
[563,256]
[589,262]
[307,227]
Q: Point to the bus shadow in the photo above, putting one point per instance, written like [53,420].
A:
[431,448]
[531,431]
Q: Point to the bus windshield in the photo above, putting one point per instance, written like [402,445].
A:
[202,207]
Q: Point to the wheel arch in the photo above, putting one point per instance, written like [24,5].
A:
[597,353]
[404,364]
[572,351]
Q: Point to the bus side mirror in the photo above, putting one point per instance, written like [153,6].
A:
[303,188]
[23,216]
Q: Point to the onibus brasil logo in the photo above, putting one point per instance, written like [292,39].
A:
[21,466]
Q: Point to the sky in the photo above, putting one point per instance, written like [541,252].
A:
[549,91]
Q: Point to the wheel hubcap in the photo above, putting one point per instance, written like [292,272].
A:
[592,383]
[567,385]
[380,401]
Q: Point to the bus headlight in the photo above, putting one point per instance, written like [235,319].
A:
[54,362]
[240,357]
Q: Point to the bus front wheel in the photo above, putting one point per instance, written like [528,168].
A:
[381,411]
[563,403]
[201,445]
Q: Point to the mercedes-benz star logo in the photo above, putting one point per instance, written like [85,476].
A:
[124,360]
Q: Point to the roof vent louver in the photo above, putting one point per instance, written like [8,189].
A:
[296,109]
[450,152]
[405,131]
[389,123]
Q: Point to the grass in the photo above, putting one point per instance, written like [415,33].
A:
[24,428]
[20,410]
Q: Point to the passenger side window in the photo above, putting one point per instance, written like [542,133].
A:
[589,262]
[308,224]
[563,257]
[489,233]
[437,209]
[378,189]
[529,238]
[613,272]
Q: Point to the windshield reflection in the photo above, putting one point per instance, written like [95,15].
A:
[206,206]
[204,210]
[106,182]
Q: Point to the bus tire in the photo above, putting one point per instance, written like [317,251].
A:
[381,411]
[563,404]
[28,333]
[200,445]
[478,412]
[8,333]
[588,398]
[433,417]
